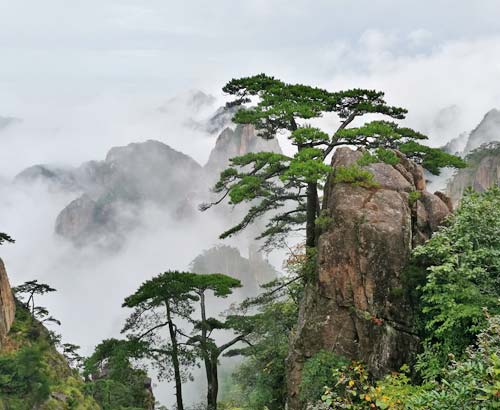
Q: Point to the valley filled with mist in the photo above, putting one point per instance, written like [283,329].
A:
[261,206]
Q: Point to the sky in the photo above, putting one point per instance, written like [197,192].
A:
[86,75]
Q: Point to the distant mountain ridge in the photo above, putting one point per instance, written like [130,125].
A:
[481,149]
[112,191]
[487,131]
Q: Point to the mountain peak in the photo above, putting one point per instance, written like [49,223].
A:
[488,130]
[232,143]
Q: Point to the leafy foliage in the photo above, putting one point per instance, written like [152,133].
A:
[260,381]
[113,380]
[463,265]
[27,292]
[317,374]
[165,300]
[33,373]
[22,374]
[355,175]
[158,304]
[472,383]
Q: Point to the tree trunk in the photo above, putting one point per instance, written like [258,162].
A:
[206,357]
[214,390]
[311,213]
[175,360]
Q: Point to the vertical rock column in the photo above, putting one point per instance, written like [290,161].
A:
[357,308]
[7,304]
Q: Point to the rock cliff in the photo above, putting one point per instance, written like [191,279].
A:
[487,131]
[481,149]
[252,271]
[357,307]
[111,193]
[7,304]
[231,143]
[482,172]
[115,189]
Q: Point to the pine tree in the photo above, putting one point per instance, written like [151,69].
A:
[273,182]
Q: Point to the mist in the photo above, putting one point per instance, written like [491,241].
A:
[92,281]
[73,85]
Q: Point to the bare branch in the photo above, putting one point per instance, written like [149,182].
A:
[344,124]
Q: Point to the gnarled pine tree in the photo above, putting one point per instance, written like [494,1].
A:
[289,186]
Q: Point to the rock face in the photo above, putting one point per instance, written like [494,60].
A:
[487,131]
[115,189]
[234,143]
[483,171]
[481,149]
[357,308]
[112,193]
[252,271]
[7,304]
[56,177]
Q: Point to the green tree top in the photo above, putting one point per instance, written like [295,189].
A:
[221,285]
[170,285]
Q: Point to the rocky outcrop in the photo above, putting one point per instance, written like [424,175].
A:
[481,149]
[487,131]
[232,143]
[357,308]
[115,189]
[252,271]
[221,119]
[482,172]
[7,304]
[112,192]
[55,177]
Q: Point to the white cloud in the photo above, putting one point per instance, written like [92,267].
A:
[88,75]
[420,37]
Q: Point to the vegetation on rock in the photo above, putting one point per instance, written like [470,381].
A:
[33,374]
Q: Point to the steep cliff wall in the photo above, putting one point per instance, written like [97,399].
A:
[357,308]
[483,172]
[232,143]
[7,304]
[487,131]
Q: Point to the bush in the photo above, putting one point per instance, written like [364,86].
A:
[23,374]
[355,175]
[319,371]
[463,267]
[472,383]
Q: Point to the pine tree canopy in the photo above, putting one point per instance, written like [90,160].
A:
[288,186]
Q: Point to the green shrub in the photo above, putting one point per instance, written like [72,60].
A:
[318,372]
[463,267]
[23,374]
[355,175]
[366,159]
[33,372]
[472,383]
[413,197]
[387,155]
